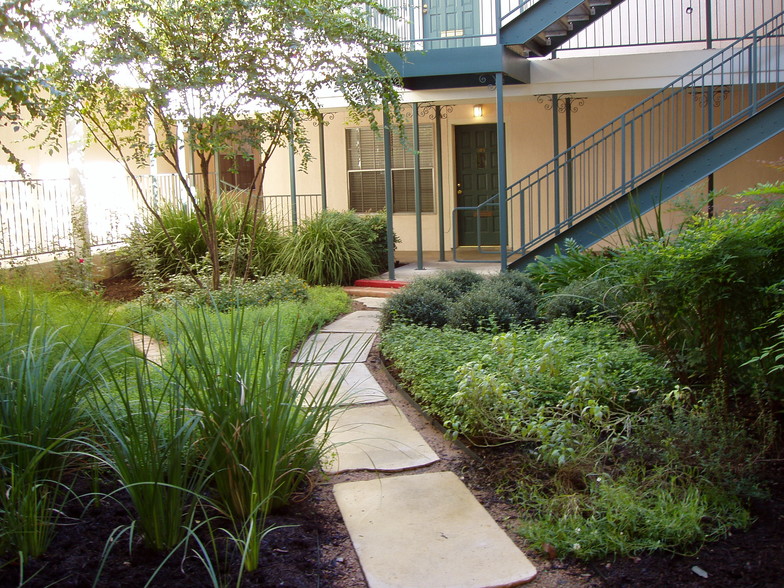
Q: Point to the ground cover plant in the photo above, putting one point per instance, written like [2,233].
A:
[640,402]
[86,421]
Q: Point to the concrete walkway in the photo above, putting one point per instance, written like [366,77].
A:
[409,530]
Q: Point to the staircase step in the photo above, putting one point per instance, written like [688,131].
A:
[375,438]
[427,530]
[370,283]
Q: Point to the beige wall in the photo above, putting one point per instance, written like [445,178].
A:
[529,145]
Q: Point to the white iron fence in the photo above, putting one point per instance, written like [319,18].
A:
[36,215]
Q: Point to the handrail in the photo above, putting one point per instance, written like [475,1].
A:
[716,95]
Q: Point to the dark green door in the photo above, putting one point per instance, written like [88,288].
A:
[450,20]
[476,148]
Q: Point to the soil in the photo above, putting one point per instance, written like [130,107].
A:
[312,548]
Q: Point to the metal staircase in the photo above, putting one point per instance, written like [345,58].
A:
[695,125]
[538,27]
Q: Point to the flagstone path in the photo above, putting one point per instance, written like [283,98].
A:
[409,529]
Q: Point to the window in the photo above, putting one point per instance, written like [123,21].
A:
[365,156]
[237,171]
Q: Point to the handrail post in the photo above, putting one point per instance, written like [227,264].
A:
[623,154]
[753,73]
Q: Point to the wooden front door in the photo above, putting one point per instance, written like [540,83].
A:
[476,149]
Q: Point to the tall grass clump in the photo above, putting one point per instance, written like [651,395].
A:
[44,379]
[146,436]
[259,437]
[332,248]
[174,244]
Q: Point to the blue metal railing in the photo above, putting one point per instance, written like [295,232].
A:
[700,23]
[713,97]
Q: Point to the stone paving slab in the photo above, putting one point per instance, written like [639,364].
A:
[356,385]
[372,301]
[149,347]
[335,348]
[361,321]
[428,531]
[375,438]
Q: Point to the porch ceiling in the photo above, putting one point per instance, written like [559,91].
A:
[460,67]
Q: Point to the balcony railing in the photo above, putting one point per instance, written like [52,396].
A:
[421,25]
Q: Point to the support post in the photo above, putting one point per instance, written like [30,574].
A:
[322,163]
[417,185]
[557,171]
[440,187]
[502,212]
[569,165]
[388,194]
[293,181]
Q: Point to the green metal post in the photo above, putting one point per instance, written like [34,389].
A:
[388,194]
[293,183]
[569,167]
[502,212]
[322,164]
[440,187]
[417,185]
[557,172]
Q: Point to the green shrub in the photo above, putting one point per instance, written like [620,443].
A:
[575,263]
[247,246]
[700,298]
[582,298]
[499,302]
[489,309]
[568,387]
[275,288]
[464,300]
[426,360]
[416,305]
[639,512]
[333,248]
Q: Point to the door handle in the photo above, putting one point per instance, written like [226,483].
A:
[459,192]
[425,9]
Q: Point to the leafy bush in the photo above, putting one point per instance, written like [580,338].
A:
[427,359]
[464,300]
[557,271]
[640,511]
[591,297]
[701,298]
[497,303]
[274,288]
[333,248]
[567,387]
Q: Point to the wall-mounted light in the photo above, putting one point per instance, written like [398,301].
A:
[478,111]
